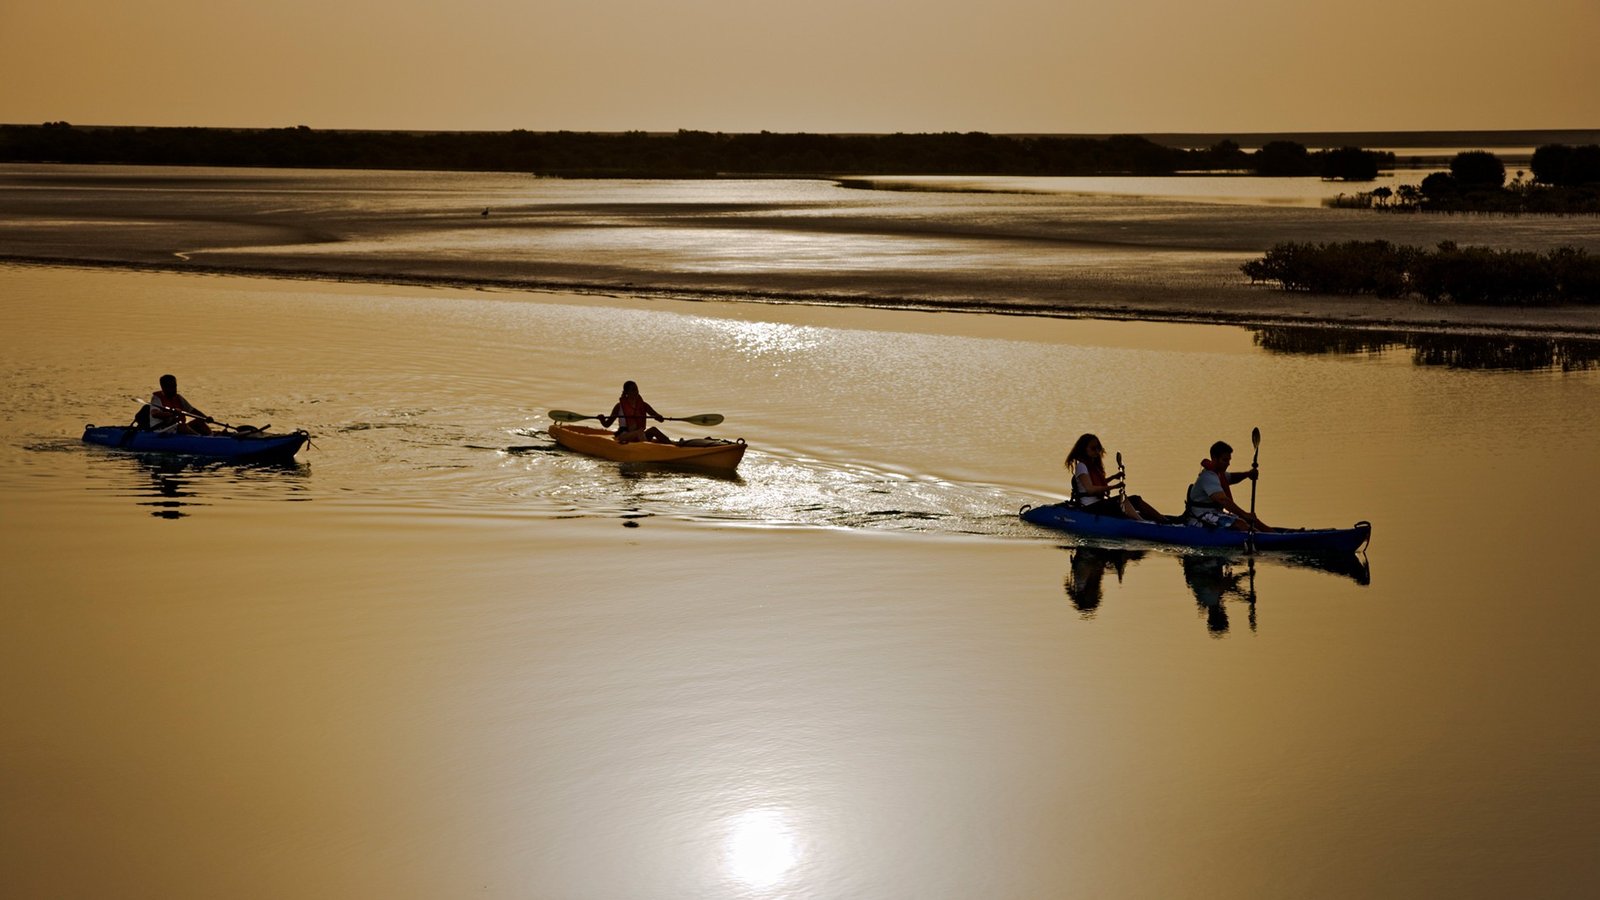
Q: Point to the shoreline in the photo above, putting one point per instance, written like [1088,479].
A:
[1147,302]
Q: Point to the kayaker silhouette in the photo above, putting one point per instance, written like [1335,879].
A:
[631,412]
[1209,501]
[165,408]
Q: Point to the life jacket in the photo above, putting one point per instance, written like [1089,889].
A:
[632,413]
[1096,479]
[160,401]
[1193,502]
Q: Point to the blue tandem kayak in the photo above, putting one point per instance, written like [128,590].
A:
[253,447]
[1065,517]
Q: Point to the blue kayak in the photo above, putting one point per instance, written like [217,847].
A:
[251,447]
[1076,521]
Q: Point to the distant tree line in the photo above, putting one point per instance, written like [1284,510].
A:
[683,154]
[1466,275]
[1566,179]
[1287,158]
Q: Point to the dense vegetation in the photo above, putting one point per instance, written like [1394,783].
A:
[1452,274]
[1287,158]
[1565,180]
[683,154]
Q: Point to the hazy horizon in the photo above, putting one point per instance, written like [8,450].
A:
[1411,138]
[1011,67]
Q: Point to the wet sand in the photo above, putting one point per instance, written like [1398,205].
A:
[1118,257]
[1151,300]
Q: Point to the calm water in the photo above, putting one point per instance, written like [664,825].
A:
[433,659]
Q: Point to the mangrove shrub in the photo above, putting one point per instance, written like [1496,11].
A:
[1451,274]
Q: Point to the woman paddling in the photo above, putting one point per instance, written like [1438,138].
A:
[632,410]
[1091,488]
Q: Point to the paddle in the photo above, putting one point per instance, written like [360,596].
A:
[1251,559]
[1250,541]
[242,429]
[707,420]
[1122,488]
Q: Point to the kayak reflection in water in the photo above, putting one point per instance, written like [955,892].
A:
[1212,579]
[1089,570]
[631,413]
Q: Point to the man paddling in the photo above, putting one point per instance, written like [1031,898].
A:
[167,407]
[632,410]
[1209,501]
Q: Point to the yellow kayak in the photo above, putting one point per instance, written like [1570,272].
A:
[703,453]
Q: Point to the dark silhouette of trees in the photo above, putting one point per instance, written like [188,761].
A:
[1566,180]
[1452,274]
[638,154]
[1566,166]
[1349,164]
[1439,185]
[1353,267]
[633,153]
[1290,159]
[1283,158]
[1226,154]
[1476,169]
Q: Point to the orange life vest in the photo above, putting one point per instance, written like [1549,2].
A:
[632,412]
[160,403]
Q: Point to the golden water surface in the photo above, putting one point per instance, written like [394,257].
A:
[438,657]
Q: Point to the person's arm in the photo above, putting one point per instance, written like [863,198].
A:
[651,412]
[1221,499]
[606,420]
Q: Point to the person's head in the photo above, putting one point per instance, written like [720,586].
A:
[169,383]
[1087,450]
[629,389]
[1221,454]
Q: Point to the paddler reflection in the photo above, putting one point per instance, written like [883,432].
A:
[1089,564]
[1213,579]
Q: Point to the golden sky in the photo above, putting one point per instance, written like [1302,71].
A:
[805,65]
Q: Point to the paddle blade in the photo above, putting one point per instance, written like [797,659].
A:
[562,415]
[706,420]
[1255,437]
[1119,459]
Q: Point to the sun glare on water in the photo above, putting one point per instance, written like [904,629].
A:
[761,848]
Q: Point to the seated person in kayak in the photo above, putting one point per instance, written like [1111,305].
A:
[1209,501]
[1091,488]
[166,408]
[631,413]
